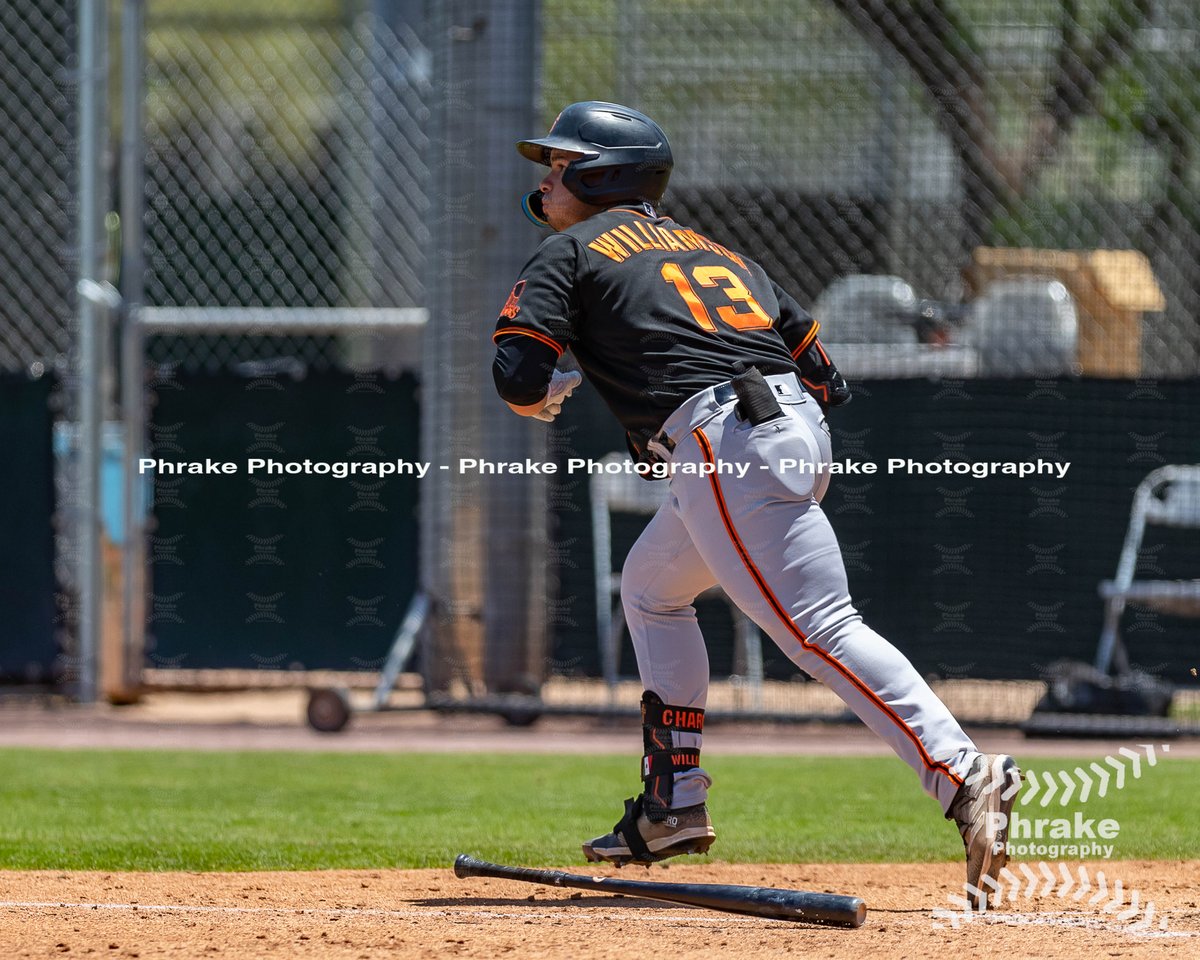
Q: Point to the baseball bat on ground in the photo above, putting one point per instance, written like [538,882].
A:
[825,908]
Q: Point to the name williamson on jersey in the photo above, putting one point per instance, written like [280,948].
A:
[622,242]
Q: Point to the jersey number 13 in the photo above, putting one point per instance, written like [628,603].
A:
[751,318]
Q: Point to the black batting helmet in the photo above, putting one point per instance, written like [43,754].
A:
[626,156]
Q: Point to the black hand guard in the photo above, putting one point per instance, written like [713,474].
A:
[821,378]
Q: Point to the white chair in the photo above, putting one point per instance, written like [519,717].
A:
[864,308]
[625,492]
[1168,497]
[1024,327]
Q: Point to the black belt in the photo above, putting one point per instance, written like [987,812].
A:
[722,393]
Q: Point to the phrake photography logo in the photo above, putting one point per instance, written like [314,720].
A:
[1038,832]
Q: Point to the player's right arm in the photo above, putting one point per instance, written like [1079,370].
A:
[522,373]
[534,327]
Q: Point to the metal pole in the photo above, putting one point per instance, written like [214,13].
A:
[453,523]
[133,406]
[92,75]
[515,614]
[482,542]
[442,409]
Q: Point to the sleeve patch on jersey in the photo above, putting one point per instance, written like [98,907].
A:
[511,306]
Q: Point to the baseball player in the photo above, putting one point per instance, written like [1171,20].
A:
[705,360]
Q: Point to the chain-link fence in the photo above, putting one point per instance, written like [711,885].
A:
[38,115]
[962,192]
[39,99]
[834,138]
[286,208]
[923,141]
[285,167]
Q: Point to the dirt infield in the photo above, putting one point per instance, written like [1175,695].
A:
[430,913]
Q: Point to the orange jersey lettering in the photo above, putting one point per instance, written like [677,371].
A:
[610,246]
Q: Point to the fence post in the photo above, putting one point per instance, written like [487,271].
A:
[93,74]
[134,576]
[483,538]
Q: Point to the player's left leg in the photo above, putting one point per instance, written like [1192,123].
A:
[770,544]
[661,578]
[772,548]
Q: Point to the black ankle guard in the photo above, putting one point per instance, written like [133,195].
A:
[661,760]
[627,828]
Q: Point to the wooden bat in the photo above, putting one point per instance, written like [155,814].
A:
[798,905]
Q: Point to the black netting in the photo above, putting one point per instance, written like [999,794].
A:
[285,166]
[37,135]
[952,146]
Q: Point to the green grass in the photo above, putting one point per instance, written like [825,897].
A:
[153,810]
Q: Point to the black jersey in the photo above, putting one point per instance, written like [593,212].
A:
[652,311]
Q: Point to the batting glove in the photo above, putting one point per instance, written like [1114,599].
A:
[561,387]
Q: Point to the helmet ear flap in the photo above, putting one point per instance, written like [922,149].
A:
[594,178]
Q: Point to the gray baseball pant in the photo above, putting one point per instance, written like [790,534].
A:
[767,542]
